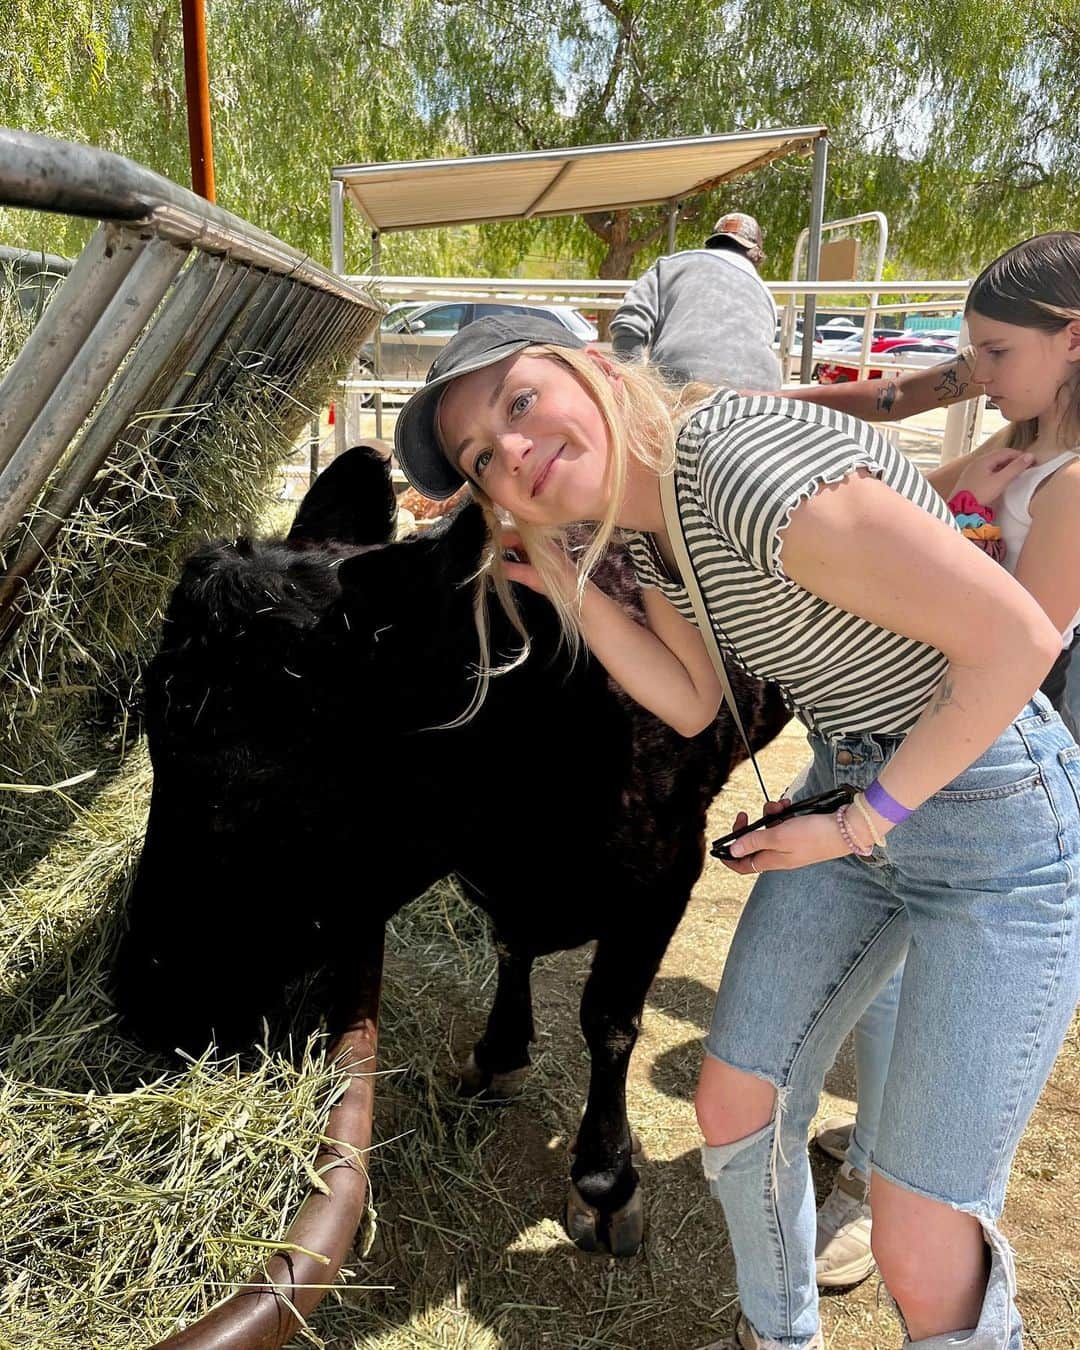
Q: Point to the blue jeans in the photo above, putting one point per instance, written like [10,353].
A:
[980,886]
[874,1033]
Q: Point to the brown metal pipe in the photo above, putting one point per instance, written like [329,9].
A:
[197,88]
[260,1315]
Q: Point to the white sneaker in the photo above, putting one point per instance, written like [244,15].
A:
[746,1338]
[834,1135]
[843,1232]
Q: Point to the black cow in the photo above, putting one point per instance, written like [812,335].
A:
[305,788]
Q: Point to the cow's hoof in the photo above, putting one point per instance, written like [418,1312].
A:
[620,1234]
[496,1087]
[626,1227]
[582,1222]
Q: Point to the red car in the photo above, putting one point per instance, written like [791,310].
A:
[907,347]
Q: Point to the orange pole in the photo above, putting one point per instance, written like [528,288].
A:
[197,88]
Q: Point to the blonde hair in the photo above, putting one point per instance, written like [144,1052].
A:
[1015,289]
[641,414]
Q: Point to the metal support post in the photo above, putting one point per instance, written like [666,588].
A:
[813,255]
[197,89]
[313,450]
[337,263]
[337,227]
[376,268]
[672,223]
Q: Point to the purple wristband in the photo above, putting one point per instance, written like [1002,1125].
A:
[885,805]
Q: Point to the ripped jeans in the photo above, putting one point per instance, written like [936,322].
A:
[982,887]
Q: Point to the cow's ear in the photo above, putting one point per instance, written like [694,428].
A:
[351,502]
[447,553]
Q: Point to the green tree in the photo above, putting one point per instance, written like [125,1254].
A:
[958,121]
[295,89]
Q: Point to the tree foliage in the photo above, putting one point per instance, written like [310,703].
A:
[295,89]
[958,121]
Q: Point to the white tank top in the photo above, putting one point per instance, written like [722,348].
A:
[1014,516]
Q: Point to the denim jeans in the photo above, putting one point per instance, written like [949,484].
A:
[874,1033]
[875,1028]
[981,887]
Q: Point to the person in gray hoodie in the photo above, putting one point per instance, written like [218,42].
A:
[704,313]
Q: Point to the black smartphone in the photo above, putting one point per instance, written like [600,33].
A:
[821,805]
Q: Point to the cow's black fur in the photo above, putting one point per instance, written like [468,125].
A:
[303,792]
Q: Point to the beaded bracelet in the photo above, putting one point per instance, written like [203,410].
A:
[848,838]
[875,833]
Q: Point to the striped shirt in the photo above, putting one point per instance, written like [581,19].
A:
[742,466]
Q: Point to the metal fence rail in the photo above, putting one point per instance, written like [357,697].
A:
[170,301]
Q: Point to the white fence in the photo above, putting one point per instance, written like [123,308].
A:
[865,302]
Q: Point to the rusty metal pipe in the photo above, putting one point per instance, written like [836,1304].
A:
[260,1315]
[197,88]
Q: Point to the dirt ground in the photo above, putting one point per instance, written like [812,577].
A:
[468,1251]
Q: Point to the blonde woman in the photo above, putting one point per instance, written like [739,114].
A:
[830,566]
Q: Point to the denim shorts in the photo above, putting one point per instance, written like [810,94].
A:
[980,886]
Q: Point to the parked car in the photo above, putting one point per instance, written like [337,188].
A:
[910,349]
[837,337]
[412,334]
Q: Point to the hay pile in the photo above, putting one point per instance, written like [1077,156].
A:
[134,1195]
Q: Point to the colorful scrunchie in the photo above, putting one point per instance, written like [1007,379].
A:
[963,503]
[976,523]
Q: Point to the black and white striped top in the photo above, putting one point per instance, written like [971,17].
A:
[743,465]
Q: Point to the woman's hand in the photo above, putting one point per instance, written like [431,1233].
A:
[987,476]
[794,843]
[516,562]
[518,567]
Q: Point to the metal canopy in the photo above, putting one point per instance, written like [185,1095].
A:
[432,192]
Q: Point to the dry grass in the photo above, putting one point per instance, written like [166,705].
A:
[133,1194]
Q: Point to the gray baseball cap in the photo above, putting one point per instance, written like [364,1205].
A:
[481,343]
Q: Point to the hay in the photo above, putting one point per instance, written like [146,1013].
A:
[134,1195]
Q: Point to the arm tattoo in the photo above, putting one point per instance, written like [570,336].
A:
[886,398]
[950,386]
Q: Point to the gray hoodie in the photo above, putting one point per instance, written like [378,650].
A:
[704,314]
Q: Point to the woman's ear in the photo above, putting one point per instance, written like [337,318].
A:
[1072,349]
[606,364]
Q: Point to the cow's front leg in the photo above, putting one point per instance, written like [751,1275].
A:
[604,1206]
[500,1061]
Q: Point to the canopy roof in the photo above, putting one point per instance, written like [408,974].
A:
[432,192]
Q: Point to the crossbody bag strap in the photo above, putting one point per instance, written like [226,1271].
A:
[685,565]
